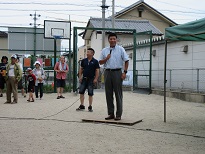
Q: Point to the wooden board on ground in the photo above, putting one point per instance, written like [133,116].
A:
[119,122]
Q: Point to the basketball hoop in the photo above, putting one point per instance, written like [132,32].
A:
[57,29]
[57,37]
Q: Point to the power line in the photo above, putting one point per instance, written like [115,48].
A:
[182,11]
[39,3]
[178,5]
[58,10]
[67,19]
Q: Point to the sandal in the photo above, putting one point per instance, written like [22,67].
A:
[32,100]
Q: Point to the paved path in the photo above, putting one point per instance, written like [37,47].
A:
[51,126]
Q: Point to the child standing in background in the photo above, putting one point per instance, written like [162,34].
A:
[31,84]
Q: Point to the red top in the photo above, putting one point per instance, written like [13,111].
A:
[61,75]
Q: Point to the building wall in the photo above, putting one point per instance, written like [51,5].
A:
[4,45]
[81,52]
[96,41]
[21,40]
[147,14]
[96,44]
[185,70]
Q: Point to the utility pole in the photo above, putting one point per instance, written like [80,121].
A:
[35,26]
[113,13]
[103,22]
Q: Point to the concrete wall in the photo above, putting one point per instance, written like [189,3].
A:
[185,96]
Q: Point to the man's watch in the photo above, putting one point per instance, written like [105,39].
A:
[125,72]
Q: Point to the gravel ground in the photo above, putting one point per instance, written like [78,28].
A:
[51,126]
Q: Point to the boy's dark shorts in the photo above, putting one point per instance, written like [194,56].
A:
[31,88]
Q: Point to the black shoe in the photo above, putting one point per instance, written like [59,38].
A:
[58,97]
[7,102]
[62,96]
[117,118]
[80,108]
[14,102]
[90,108]
[110,117]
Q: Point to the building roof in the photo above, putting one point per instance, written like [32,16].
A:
[3,34]
[140,3]
[139,25]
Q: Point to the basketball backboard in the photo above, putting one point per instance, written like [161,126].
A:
[57,29]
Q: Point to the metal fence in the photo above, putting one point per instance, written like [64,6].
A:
[48,85]
[192,80]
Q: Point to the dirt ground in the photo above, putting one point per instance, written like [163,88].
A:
[51,126]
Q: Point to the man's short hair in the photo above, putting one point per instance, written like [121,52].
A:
[92,50]
[112,34]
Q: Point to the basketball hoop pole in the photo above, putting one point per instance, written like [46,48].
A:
[55,63]
[56,30]
[55,50]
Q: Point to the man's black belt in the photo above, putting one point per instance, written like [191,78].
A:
[117,69]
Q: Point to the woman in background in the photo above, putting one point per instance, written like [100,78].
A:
[40,75]
[61,69]
[4,62]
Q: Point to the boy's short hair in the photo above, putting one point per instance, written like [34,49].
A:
[4,57]
[91,50]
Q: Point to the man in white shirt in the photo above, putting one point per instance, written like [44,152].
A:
[115,61]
